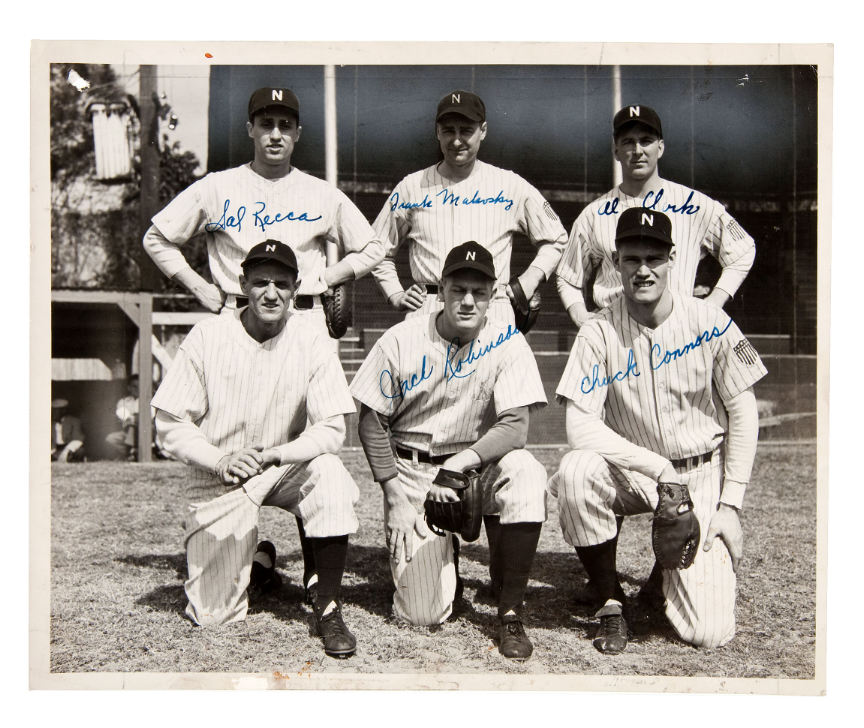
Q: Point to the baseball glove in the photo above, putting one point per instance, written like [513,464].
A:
[525,311]
[337,311]
[463,516]
[675,530]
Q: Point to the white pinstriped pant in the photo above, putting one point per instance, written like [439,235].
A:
[500,308]
[513,488]
[221,534]
[700,600]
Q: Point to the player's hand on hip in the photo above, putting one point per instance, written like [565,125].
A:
[210,296]
[402,523]
[726,524]
[411,299]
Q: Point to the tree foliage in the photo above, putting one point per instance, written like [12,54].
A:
[95,226]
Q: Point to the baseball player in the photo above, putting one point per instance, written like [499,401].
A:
[234,405]
[700,225]
[463,198]
[454,389]
[239,207]
[67,434]
[658,388]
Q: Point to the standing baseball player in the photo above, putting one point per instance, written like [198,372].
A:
[658,390]
[234,405]
[239,207]
[454,389]
[463,198]
[700,225]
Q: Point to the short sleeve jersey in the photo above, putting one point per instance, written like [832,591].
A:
[238,208]
[489,207]
[659,388]
[441,396]
[700,225]
[241,393]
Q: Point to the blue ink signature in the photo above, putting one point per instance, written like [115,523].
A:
[650,201]
[395,204]
[403,385]
[455,369]
[259,219]
[456,200]
[657,361]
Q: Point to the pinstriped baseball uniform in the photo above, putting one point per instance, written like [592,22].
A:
[662,389]
[435,214]
[441,399]
[238,208]
[241,393]
[700,226]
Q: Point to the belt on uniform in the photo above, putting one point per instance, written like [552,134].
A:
[432,290]
[694,461]
[303,302]
[423,457]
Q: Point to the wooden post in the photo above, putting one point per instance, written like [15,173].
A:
[145,377]
[149,168]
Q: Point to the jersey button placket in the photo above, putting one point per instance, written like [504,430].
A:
[256,420]
[661,397]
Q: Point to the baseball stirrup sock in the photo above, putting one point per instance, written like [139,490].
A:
[308,556]
[330,554]
[517,544]
[599,562]
[493,530]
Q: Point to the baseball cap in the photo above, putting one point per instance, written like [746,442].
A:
[462,102]
[641,114]
[640,223]
[271,250]
[469,255]
[264,98]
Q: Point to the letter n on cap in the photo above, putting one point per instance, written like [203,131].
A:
[271,248]
[276,94]
[647,219]
[470,255]
[634,111]
[455,98]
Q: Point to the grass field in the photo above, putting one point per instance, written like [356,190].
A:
[117,570]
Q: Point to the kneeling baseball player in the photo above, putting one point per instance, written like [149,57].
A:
[234,406]
[454,389]
[661,417]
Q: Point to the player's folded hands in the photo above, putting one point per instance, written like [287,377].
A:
[240,466]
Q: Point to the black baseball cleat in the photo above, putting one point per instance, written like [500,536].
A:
[338,640]
[611,637]
[263,579]
[512,640]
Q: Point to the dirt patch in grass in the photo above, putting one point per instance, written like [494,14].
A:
[117,570]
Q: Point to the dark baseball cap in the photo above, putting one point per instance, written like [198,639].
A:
[271,250]
[264,98]
[640,223]
[637,114]
[465,103]
[472,256]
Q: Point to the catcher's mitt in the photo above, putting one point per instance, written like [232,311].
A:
[675,531]
[337,311]
[525,311]
[462,517]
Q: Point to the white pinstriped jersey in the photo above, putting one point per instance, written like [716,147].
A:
[238,208]
[241,393]
[439,398]
[435,215]
[700,225]
[656,387]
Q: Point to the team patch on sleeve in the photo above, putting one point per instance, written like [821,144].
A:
[550,213]
[735,230]
[745,352]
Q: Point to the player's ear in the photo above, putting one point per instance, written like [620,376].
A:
[672,256]
[297,133]
[440,295]
[249,129]
[660,147]
[615,258]
[243,283]
[483,131]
